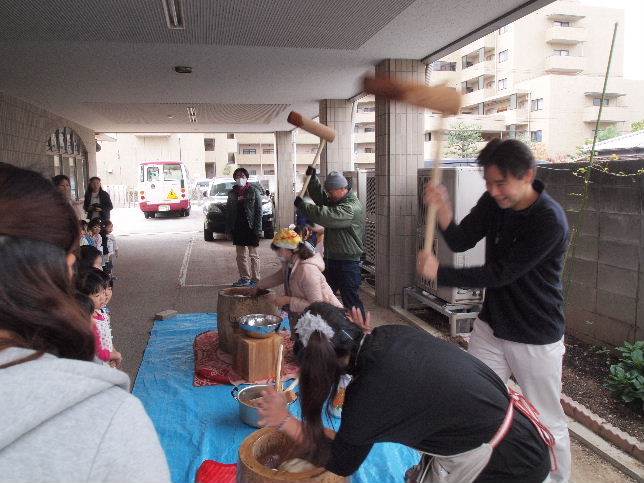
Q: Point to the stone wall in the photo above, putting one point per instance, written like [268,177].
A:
[605,275]
[25,130]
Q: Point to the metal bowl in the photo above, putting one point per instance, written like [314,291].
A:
[259,326]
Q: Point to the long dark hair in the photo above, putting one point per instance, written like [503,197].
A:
[38,228]
[322,362]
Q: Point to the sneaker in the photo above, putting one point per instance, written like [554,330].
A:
[242,282]
[252,284]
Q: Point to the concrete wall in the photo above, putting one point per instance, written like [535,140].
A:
[24,131]
[605,301]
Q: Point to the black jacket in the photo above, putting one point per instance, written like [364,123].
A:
[105,203]
[252,205]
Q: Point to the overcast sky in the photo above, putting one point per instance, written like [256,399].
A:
[633,34]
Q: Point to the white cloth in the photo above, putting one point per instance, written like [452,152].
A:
[537,369]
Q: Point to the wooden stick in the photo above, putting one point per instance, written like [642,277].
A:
[313,165]
[278,369]
[430,222]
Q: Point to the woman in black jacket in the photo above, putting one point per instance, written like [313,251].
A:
[244,224]
[97,202]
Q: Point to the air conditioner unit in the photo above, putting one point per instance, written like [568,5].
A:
[465,185]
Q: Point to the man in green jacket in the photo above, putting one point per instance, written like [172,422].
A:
[341,214]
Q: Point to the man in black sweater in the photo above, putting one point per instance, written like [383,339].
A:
[520,328]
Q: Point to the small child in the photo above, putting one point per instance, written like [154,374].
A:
[84,239]
[94,232]
[93,283]
[89,257]
[110,249]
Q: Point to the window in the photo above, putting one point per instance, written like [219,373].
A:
[368,109]
[562,24]
[370,129]
[268,151]
[504,29]
[209,144]
[561,52]
[153,173]
[172,172]
[249,151]
[252,172]
[536,136]
[503,84]
[536,104]
[368,150]
[503,55]
[428,136]
[142,177]
[269,171]
[230,135]
[598,100]
[231,158]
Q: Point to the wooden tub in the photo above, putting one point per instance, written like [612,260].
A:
[268,441]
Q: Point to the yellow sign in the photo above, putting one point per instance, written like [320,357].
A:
[172,196]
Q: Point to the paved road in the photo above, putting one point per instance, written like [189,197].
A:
[164,263]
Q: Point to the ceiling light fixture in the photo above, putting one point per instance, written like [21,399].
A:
[192,114]
[174,17]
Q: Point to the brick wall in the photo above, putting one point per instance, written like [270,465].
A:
[25,129]
[605,300]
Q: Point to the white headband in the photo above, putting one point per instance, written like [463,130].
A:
[310,323]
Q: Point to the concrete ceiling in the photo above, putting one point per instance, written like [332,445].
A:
[108,64]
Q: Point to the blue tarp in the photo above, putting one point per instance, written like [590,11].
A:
[199,423]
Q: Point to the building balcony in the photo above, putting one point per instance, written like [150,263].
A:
[485,68]
[565,64]
[303,137]
[246,159]
[609,114]
[564,11]
[566,35]
[366,158]
[487,123]
[365,117]
[255,138]
[516,116]
[476,97]
[443,77]
[486,42]
[364,137]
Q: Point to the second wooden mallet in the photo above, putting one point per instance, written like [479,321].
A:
[439,98]
[325,133]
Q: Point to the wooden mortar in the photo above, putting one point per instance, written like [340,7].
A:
[235,302]
[268,441]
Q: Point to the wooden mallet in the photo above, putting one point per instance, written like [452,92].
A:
[325,133]
[438,98]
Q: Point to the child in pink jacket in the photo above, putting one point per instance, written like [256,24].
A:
[301,274]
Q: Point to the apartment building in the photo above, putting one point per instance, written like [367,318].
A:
[540,79]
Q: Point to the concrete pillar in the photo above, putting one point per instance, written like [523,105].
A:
[285,176]
[336,113]
[399,154]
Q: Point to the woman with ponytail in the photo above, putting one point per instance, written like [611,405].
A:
[63,418]
[301,274]
[409,388]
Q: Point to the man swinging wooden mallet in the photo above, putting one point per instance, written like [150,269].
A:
[520,328]
[340,212]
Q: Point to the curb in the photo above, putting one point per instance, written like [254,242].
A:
[621,439]
[596,433]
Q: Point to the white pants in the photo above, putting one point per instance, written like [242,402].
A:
[537,369]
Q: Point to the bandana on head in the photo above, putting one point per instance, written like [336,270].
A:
[310,323]
[287,238]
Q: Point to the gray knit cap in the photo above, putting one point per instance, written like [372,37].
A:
[334,181]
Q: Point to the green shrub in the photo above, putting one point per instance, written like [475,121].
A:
[626,378]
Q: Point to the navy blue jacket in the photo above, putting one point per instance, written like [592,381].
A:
[524,255]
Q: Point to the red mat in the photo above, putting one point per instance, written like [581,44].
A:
[214,366]
[212,471]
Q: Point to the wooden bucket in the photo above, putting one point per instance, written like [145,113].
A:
[268,441]
[235,302]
